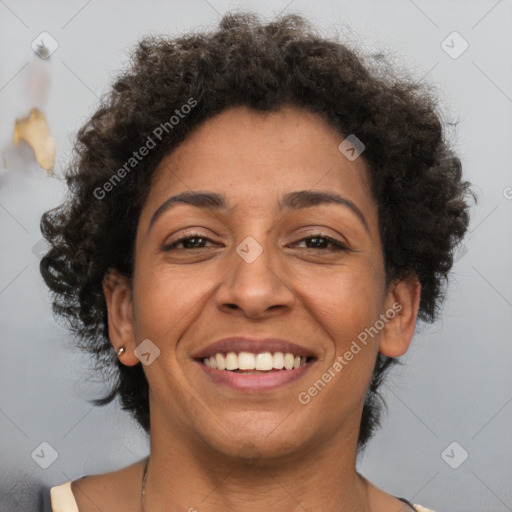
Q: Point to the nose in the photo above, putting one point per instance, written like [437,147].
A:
[255,285]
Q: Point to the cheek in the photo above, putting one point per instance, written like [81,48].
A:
[167,299]
[346,302]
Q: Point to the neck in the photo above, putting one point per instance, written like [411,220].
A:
[183,476]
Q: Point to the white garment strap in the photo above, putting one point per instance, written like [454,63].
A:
[62,498]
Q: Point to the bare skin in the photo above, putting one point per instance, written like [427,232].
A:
[215,448]
[121,490]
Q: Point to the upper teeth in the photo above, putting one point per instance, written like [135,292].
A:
[249,361]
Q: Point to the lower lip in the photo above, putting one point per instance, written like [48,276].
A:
[253,382]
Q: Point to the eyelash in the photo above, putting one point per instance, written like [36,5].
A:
[337,245]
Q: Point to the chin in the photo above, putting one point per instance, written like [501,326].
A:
[256,438]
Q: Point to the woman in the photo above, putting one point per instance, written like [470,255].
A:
[257,219]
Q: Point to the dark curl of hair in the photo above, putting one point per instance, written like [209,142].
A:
[415,177]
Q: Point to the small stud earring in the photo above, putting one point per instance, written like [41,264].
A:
[121,351]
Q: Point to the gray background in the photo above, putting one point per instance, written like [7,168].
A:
[456,383]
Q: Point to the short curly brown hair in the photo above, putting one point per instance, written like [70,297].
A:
[415,175]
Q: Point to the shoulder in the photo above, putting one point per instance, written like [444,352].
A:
[106,491]
[414,506]
[419,508]
[386,502]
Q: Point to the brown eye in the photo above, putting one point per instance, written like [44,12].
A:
[321,241]
[193,241]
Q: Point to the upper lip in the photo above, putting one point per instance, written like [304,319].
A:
[254,345]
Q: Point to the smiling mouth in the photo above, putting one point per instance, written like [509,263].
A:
[250,363]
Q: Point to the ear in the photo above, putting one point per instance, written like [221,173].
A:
[402,304]
[118,295]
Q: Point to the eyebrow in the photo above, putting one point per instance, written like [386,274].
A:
[292,200]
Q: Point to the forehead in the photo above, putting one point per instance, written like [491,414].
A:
[255,158]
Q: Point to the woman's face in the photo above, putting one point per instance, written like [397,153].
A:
[247,271]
